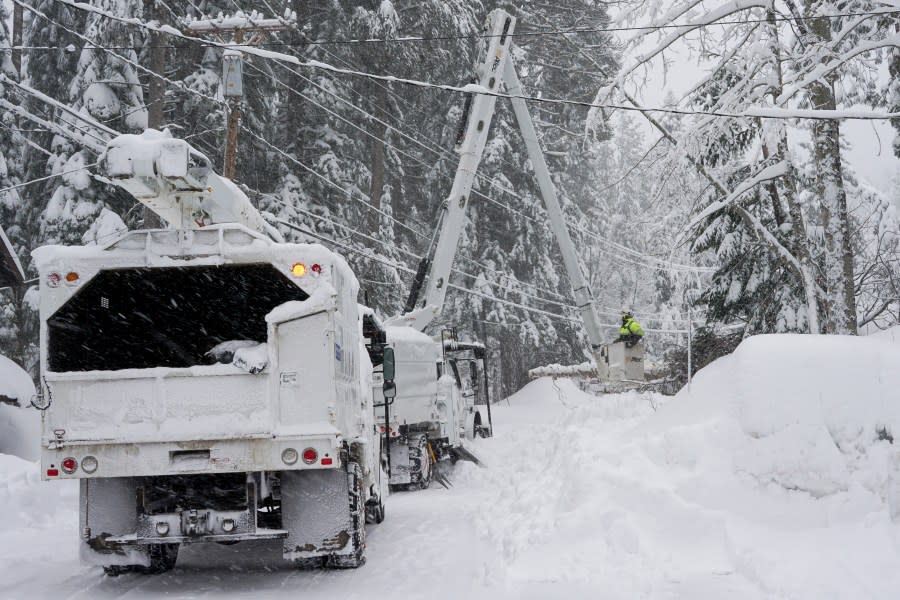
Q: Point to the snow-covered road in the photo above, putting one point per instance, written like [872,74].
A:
[710,496]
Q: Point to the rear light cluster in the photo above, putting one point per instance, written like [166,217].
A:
[391,429]
[300,269]
[54,279]
[310,456]
[69,465]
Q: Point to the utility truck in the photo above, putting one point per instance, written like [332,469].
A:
[442,391]
[205,383]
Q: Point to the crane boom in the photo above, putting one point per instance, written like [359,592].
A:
[498,67]
[584,298]
[177,182]
[499,26]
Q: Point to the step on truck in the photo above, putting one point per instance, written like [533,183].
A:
[205,384]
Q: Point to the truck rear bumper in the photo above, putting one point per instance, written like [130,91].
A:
[118,459]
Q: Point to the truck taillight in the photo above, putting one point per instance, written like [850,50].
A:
[72,278]
[54,279]
[52,472]
[310,456]
[298,270]
[317,269]
[69,465]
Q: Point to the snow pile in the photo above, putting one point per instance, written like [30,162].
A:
[105,229]
[815,414]
[20,425]
[773,477]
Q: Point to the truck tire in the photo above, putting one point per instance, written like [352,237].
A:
[375,512]
[426,463]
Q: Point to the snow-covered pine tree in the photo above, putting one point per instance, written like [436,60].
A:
[16,312]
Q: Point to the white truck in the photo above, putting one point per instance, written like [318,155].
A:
[440,401]
[205,383]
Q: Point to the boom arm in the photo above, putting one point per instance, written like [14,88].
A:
[490,72]
[584,298]
[176,182]
[496,67]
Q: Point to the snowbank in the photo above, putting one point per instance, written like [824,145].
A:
[20,425]
[815,414]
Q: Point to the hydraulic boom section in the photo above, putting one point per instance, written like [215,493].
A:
[496,68]
[500,26]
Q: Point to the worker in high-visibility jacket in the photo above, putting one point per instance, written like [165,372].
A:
[630,332]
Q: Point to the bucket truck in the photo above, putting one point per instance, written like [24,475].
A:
[442,389]
[430,415]
[207,382]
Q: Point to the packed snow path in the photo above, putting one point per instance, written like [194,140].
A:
[619,496]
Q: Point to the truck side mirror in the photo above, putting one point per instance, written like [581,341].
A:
[388,364]
[389,389]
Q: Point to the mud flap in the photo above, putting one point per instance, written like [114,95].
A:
[107,508]
[460,453]
[315,513]
[400,464]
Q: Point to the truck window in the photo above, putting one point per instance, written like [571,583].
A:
[163,317]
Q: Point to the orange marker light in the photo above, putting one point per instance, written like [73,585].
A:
[71,277]
[298,270]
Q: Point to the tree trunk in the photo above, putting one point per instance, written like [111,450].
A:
[799,240]
[376,165]
[839,277]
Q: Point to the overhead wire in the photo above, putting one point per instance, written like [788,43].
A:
[251,50]
[522,34]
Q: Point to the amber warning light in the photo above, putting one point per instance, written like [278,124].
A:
[298,270]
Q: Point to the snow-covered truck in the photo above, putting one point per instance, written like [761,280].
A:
[205,384]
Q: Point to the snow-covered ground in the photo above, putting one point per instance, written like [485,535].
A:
[773,477]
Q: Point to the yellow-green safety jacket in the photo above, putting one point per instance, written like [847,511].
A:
[631,327]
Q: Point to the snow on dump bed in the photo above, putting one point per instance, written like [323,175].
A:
[20,425]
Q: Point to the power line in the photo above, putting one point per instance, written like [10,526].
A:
[40,179]
[519,34]
[772,113]
[655,262]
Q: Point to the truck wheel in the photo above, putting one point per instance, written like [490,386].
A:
[375,512]
[426,464]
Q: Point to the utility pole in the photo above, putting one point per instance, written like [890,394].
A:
[240,27]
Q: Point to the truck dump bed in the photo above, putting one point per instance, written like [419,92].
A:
[209,355]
